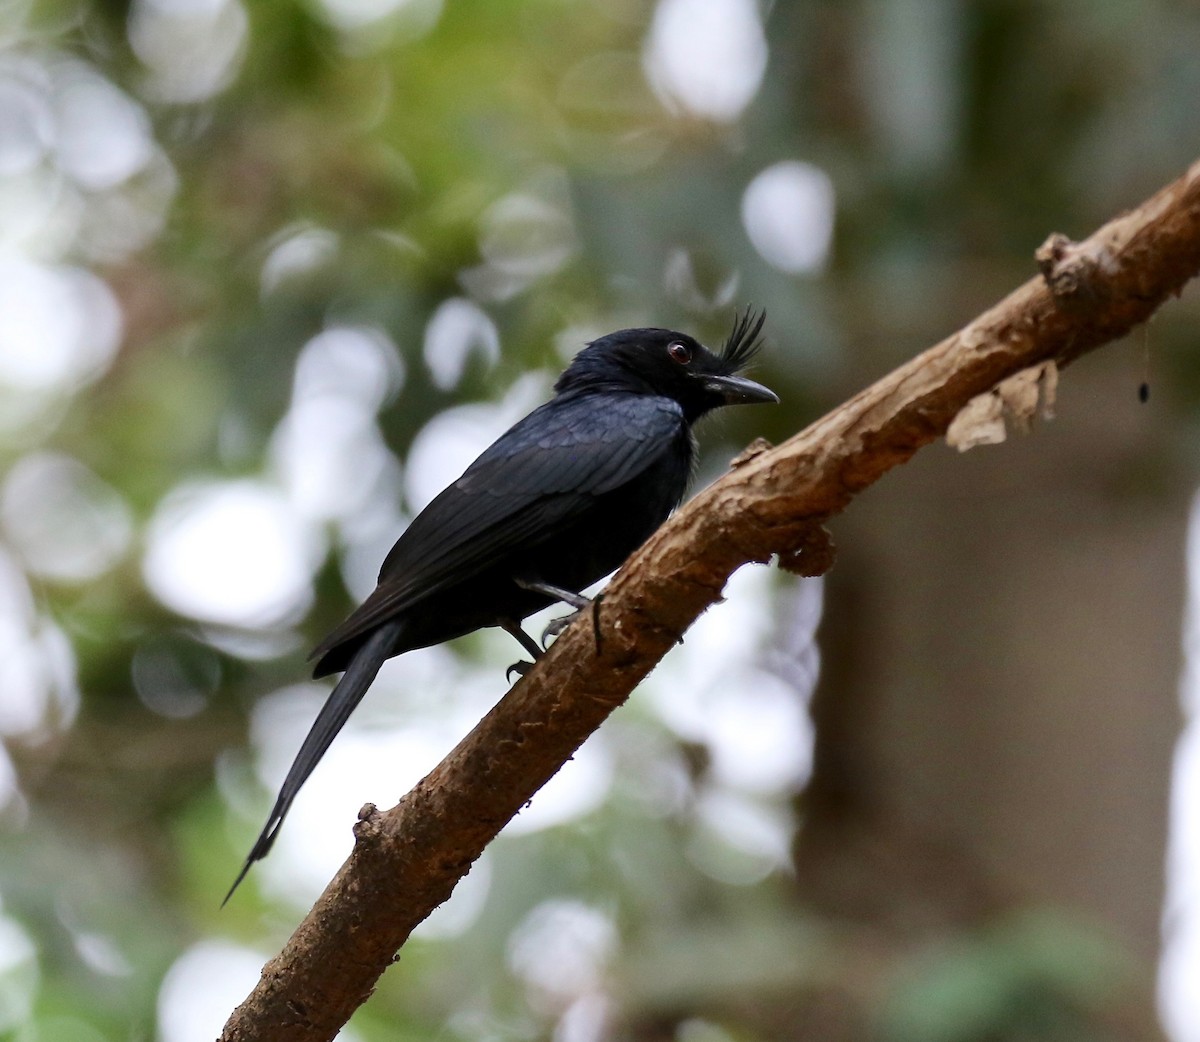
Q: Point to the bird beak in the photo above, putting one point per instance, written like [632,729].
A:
[737,390]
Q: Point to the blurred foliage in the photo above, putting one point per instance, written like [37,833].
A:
[515,154]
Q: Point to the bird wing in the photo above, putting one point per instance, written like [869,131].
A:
[545,471]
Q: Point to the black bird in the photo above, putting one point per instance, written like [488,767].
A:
[557,502]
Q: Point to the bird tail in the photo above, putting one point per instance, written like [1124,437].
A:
[346,695]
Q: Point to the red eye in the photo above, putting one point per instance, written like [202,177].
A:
[680,352]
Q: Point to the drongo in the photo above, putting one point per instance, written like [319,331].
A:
[557,502]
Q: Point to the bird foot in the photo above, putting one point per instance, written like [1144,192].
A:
[577,601]
[520,668]
[555,626]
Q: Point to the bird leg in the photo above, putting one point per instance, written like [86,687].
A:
[576,600]
[511,626]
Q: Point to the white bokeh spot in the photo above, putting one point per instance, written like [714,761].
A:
[295,252]
[1179,967]
[356,362]
[706,56]
[787,211]
[64,521]
[59,326]
[202,986]
[192,48]
[103,135]
[19,975]
[458,329]
[562,948]
[232,553]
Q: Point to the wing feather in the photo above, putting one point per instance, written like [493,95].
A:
[544,472]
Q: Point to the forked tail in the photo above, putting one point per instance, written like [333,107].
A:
[330,720]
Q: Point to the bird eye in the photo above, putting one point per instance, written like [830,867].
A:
[680,352]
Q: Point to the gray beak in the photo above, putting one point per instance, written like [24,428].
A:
[737,390]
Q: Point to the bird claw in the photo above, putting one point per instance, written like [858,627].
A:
[520,668]
[555,626]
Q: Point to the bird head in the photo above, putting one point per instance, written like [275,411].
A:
[673,365]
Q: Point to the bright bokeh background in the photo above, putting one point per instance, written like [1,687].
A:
[272,274]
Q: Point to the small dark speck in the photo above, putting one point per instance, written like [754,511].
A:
[1143,392]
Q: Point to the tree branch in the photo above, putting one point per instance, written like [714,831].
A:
[407,861]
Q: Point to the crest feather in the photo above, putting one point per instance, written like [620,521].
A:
[743,342]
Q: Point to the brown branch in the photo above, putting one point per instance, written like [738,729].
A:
[407,861]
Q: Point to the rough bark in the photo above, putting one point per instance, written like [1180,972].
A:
[772,503]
